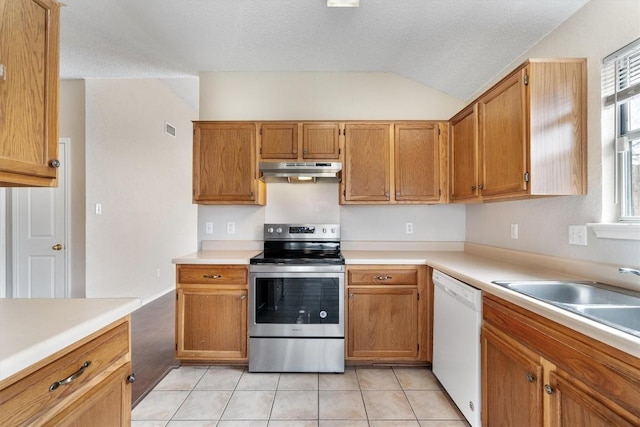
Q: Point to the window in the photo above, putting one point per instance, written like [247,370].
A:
[621,89]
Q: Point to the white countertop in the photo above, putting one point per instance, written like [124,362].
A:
[217,257]
[33,329]
[476,270]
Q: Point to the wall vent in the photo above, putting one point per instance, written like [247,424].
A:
[169,129]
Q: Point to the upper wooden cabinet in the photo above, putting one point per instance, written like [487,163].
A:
[394,163]
[29,56]
[224,164]
[299,141]
[524,137]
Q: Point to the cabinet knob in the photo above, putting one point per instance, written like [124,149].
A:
[54,163]
[131,378]
[243,297]
[548,389]
[481,187]
[350,296]
[530,377]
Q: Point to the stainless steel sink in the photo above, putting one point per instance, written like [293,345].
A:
[572,292]
[619,317]
[615,307]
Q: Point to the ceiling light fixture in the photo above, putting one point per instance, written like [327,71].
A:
[343,3]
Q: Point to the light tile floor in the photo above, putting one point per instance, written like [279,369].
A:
[230,396]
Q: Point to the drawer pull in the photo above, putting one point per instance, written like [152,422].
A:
[383,277]
[71,377]
[212,276]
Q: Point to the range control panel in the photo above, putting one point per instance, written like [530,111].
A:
[302,232]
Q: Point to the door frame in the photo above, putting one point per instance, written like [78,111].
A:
[15,219]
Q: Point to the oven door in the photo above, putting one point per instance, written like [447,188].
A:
[296,303]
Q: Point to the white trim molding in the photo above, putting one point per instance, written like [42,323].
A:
[618,230]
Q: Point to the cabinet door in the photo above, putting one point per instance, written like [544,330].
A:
[576,404]
[224,169]
[279,141]
[320,141]
[383,323]
[417,163]
[109,402]
[503,137]
[211,323]
[511,382]
[367,175]
[464,157]
[29,92]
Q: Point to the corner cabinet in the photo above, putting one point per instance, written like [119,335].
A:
[395,163]
[388,313]
[524,137]
[29,57]
[224,164]
[539,373]
[211,313]
[85,382]
[301,141]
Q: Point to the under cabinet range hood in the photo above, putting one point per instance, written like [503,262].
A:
[300,172]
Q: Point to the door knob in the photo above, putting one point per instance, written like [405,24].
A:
[57,247]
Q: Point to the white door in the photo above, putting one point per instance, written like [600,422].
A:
[39,230]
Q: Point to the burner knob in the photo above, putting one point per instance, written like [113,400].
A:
[270,230]
[278,230]
[324,230]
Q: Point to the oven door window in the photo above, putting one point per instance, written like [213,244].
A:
[297,300]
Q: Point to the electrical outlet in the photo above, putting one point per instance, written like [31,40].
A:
[158,272]
[231,228]
[514,231]
[578,235]
[409,227]
[98,208]
[208,228]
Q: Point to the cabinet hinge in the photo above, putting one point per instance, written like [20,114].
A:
[526,177]
[418,346]
[344,132]
[260,131]
[418,296]
[439,192]
[526,79]
[439,131]
[344,193]
[261,150]
[176,346]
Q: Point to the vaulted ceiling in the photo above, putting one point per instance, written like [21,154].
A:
[455,46]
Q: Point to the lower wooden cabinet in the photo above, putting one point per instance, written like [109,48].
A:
[81,384]
[388,313]
[539,373]
[211,313]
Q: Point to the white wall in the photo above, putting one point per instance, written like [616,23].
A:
[599,28]
[326,96]
[72,126]
[142,178]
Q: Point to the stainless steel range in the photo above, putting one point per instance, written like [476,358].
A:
[297,300]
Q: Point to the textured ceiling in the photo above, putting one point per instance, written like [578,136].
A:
[455,46]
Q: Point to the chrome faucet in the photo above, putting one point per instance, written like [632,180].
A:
[629,271]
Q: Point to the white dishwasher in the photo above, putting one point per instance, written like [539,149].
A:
[457,317]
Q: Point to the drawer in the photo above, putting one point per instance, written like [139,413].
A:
[30,397]
[407,276]
[213,274]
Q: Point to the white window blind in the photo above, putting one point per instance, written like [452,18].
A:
[621,90]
